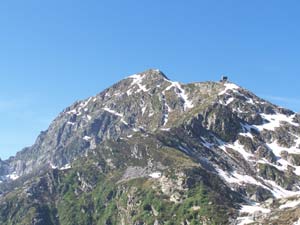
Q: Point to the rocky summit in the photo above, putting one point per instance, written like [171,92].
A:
[151,151]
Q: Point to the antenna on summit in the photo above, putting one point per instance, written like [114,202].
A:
[224,79]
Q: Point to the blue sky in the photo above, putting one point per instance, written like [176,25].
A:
[55,52]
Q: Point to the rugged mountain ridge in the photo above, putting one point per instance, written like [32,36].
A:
[192,142]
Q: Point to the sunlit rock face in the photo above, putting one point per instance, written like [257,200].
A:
[148,148]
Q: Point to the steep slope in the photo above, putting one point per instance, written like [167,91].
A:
[146,101]
[148,148]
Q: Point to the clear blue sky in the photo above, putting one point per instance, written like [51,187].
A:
[55,52]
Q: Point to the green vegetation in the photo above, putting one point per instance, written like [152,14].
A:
[138,201]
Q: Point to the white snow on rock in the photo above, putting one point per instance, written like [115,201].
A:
[117,114]
[297,222]
[181,93]
[81,108]
[124,122]
[290,204]
[144,110]
[254,208]
[246,134]
[165,118]
[113,112]
[250,211]
[129,92]
[73,111]
[137,80]
[65,167]
[278,191]
[297,145]
[247,130]
[250,101]
[155,175]
[229,86]
[277,149]
[283,164]
[13,176]
[85,103]
[87,138]
[53,166]
[229,101]
[237,147]
[237,178]
[167,109]
[166,114]
[274,121]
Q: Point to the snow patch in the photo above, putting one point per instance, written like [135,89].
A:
[117,114]
[277,149]
[237,147]
[237,178]
[65,167]
[284,164]
[113,112]
[87,138]
[155,175]
[254,208]
[166,115]
[278,191]
[181,93]
[290,204]
[229,86]
[144,110]
[124,122]
[82,106]
[229,101]
[250,101]
[274,121]
[53,166]
[297,222]
[13,176]
[73,111]
[129,92]
[250,210]
[137,80]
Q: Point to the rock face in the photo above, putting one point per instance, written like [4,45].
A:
[148,148]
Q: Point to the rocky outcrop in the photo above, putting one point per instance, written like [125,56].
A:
[147,148]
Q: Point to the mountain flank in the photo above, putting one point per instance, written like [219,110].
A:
[151,151]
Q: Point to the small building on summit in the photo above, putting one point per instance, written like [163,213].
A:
[224,79]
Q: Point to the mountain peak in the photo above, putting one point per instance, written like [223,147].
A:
[213,135]
[150,74]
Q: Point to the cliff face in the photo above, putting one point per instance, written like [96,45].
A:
[152,151]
